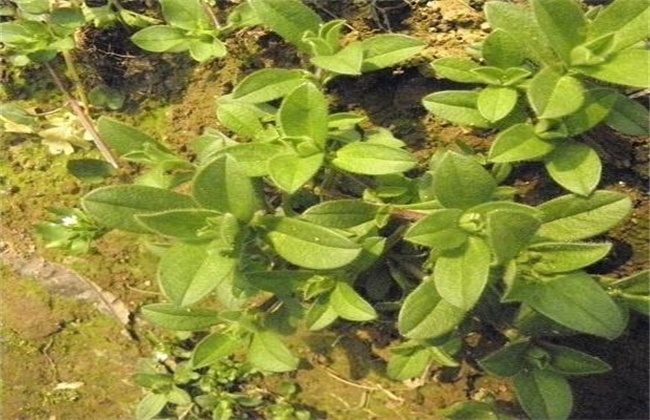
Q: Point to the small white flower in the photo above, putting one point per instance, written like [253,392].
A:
[160,356]
[70,221]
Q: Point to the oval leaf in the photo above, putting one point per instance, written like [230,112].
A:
[438,230]
[213,348]
[267,84]
[373,159]
[386,50]
[268,352]
[554,95]
[544,394]
[291,171]
[184,224]
[310,246]
[562,257]
[456,106]
[341,214]
[574,166]
[349,305]
[303,113]
[494,102]
[461,182]
[519,142]
[172,317]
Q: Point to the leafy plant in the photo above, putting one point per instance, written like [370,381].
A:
[71,231]
[223,390]
[552,73]
[190,25]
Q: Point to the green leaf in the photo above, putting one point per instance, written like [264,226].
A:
[222,185]
[633,292]
[500,49]
[563,24]
[402,365]
[426,315]
[267,352]
[161,38]
[571,218]
[310,246]
[341,214]
[304,113]
[459,107]
[597,106]
[149,406]
[574,300]
[189,272]
[629,117]
[519,142]
[116,206]
[461,182]
[574,166]
[519,22]
[461,274]
[628,68]
[507,361]
[346,61]
[386,50]
[626,19]
[544,394]
[509,232]
[373,159]
[554,95]
[474,410]
[288,18]
[494,103]
[320,315]
[290,171]
[213,348]
[456,69]
[241,117]
[90,171]
[174,318]
[562,257]
[281,283]
[183,224]
[253,158]
[347,303]
[186,14]
[567,361]
[123,138]
[438,230]
[267,85]
[205,50]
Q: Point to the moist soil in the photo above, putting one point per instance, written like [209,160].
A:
[70,334]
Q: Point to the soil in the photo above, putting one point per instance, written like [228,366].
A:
[69,331]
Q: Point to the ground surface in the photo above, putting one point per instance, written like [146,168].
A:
[69,347]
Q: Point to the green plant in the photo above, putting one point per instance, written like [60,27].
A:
[191,25]
[72,231]
[551,73]
[224,390]
[310,219]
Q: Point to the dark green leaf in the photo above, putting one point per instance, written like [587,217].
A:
[461,182]
[281,283]
[473,410]
[310,246]
[91,171]
[426,315]
[507,361]
[571,218]
[567,361]
[116,206]
[172,317]
[544,394]
[123,138]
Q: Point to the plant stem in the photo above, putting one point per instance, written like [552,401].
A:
[83,118]
[74,75]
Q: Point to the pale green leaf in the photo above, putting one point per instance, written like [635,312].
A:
[308,245]
[459,107]
[509,232]
[500,49]
[456,69]
[386,50]
[348,304]
[460,182]
[407,366]
[288,18]
[554,95]
[267,352]
[519,142]
[290,171]
[346,61]
[563,24]
[213,348]
[626,19]
[253,158]
[494,102]
[174,318]
[574,166]
[186,14]
[438,230]
[562,257]
[267,84]
[341,214]
[161,38]
[628,68]
[629,117]
[303,113]
[183,224]
[373,159]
